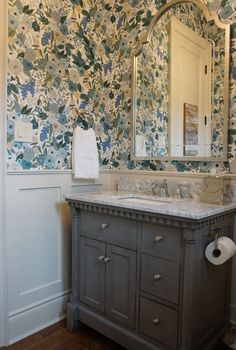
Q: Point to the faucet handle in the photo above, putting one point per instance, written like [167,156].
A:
[164,188]
[178,192]
[162,191]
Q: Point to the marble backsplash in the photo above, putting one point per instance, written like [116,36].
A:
[153,185]
[185,187]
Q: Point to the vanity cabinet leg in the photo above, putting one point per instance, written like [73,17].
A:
[72,322]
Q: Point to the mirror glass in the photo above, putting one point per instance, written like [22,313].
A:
[180,85]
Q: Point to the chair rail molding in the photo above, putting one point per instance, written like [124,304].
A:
[3,80]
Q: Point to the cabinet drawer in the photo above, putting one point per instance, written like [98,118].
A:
[160,278]
[161,241]
[108,228]
[159,322]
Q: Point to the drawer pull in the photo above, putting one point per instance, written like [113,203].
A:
[157,277]
[103,226]
[101,258]
[158,238]
[156,321]
[107,259]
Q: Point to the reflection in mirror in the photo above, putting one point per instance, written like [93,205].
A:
[180,84]
[191,72]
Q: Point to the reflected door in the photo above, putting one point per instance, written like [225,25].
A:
[190,92]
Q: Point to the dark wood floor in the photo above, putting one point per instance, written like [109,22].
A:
[57,337]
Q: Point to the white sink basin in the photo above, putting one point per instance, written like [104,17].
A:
[145,200]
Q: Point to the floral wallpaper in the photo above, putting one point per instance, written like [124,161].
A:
[69,64]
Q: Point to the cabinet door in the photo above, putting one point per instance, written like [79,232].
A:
[92,273]
[121,284]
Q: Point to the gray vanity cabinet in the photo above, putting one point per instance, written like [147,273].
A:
[107,279]
[92,273]
[142,278]
[121,284]
[108,271]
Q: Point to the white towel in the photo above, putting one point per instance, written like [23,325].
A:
[85,164]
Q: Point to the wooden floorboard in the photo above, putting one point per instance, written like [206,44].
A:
[57,337]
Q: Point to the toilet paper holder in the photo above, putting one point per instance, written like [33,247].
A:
[220,249]
[215,233]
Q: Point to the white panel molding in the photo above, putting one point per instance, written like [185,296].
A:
[39,218]
[39,172]
[122,170]
[39,188]
[34,306]
[42,286]
[36,253]
[26,321]
[3,113]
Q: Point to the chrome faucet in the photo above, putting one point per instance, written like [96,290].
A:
[164,189]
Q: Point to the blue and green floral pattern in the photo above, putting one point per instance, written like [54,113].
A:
[69,64]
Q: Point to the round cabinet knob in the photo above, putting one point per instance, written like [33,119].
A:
[104,226]
[101,258]
[158,238]
[157,277]
[156,321]
[107,259]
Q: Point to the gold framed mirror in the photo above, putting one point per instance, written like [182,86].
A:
[180,78]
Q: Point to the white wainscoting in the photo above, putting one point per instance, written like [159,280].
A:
[38,243]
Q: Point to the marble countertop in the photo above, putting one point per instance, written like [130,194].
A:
[184,208]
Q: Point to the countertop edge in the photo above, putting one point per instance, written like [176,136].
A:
[142,214]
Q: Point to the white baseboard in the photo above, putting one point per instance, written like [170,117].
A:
[23,324]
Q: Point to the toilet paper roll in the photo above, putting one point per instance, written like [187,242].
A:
[219,255]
